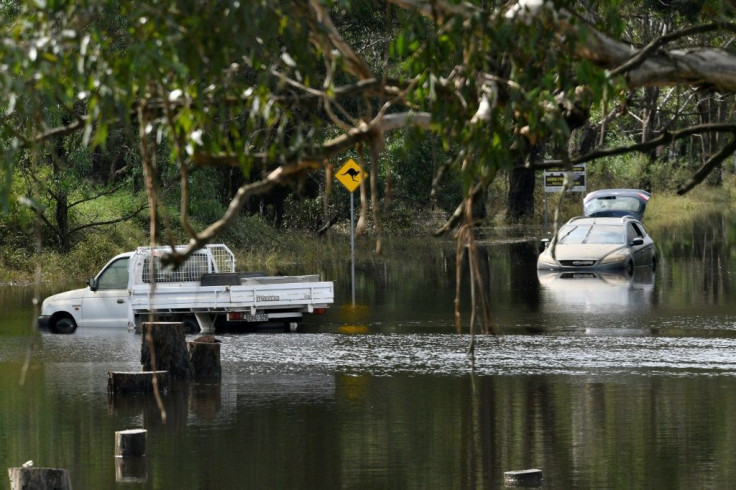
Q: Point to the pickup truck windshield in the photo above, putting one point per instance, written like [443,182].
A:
[115,276]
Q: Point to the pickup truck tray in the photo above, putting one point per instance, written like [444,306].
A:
[245,278]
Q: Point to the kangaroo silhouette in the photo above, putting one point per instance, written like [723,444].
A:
[352,173]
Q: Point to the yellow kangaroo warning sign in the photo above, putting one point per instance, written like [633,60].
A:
[350,175]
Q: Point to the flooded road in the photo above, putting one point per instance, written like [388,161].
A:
[601,382]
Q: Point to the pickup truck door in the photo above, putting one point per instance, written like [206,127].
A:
[105,303]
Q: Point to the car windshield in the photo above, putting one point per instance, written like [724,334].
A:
[591,234]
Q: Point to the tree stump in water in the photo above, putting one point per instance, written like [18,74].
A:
[523,478]
[136,381]
[131,470]
[169,348]
[204,354]
[31,478]
[131,442]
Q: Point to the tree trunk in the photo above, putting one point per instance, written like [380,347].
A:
[39,478]
[375,156]
[58,159]
[520,198]
[362,225]
[709,110]
[649,117]
[62,221]
[327,197]
[163,348]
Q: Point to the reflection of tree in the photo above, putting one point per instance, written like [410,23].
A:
[696,258]
[523,262]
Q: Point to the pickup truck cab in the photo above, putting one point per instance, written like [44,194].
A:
[204,292]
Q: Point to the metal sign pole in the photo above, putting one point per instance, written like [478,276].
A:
[352,247]
[545,212]
[351,176]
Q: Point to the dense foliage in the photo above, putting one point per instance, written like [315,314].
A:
[205,104]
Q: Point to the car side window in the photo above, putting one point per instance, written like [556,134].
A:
[634,232]
[115,276]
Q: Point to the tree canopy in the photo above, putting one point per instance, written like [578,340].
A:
[278,88]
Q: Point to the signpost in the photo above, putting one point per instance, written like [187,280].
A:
[554,180]
[351,175]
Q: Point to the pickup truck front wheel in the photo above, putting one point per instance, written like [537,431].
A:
[191,325]
[64,325]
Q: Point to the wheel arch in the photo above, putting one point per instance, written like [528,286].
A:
[60,315]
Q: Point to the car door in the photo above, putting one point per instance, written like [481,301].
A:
[642,253]
[106,304]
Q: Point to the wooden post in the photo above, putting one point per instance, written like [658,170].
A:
[523,478]
[130,470]
[204,354]
[136,381]
[32,478]
[169,348]
[130,449]
[131,442]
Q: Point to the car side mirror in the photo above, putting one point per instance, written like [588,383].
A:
[92,283]
[543,244]
[637,241]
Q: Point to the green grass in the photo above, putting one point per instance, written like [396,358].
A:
[668,208]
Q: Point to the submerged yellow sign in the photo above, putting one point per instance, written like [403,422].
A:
[350,175]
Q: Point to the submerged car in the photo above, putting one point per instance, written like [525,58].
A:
[609,237]
[607,243]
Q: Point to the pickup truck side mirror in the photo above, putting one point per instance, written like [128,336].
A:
[637,241]
[92,283]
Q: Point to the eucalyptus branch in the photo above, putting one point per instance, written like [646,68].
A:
[108,192]
[278,176]
[636,60]
[40,214]
[381,123]
[126,217]
[708,166]
[183,169]
[663,139]
[354,63]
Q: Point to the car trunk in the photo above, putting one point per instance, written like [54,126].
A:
[616,202]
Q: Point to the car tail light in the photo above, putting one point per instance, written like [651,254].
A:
[319,311]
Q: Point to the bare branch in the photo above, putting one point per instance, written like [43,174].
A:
[111,221]
[276,177]
[96,196]
[382,123]
[642,55]
[712,163]
[331,40]
[663,139]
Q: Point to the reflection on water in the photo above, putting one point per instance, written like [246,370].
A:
[386,410]
[599,290]
[602,298]
[602,381]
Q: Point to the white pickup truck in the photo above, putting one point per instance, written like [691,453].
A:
[204,293]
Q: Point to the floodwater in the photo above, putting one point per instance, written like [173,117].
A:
[601,382]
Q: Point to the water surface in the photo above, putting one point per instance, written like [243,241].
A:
[613,382]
